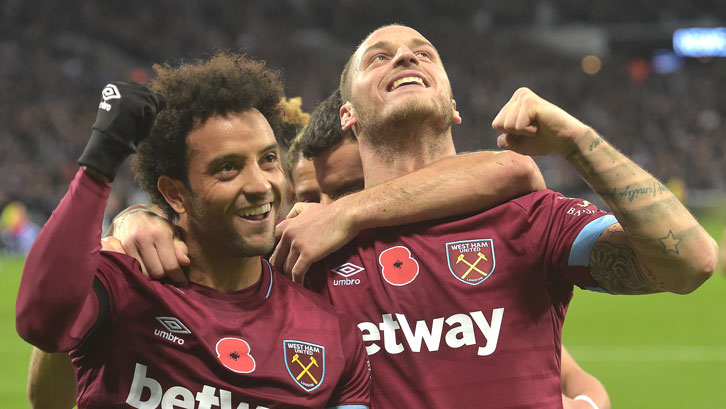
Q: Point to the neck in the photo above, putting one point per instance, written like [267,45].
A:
[210,268]
[403,153]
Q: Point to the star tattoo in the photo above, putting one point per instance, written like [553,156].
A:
[670,243]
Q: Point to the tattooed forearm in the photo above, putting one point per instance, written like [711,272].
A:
[616,269]
[595,143]
[631,192]
[646,210]
[578,160]
[647,216]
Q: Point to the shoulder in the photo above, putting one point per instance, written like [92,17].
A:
[112,259]
[538,198]
[301,295]
[118,270]
[550,204]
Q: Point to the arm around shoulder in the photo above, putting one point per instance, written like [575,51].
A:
[519,171]
[452,186]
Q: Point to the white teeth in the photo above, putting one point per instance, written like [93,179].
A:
[254,211]
[405,80]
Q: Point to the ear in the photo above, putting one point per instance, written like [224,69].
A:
[347,116]
[456,117]
[174,192]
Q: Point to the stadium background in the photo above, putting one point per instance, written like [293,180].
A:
[667,113]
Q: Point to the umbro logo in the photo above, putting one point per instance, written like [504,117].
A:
[110,91]
[173,326]
[348,269]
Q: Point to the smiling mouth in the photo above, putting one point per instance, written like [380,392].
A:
[256,213]
[407,81]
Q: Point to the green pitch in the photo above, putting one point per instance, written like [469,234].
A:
[655,351]
[659,351]
[14,352]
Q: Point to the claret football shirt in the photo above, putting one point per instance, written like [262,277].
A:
[467,312]
[156,345]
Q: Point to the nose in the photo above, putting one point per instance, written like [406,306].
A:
[256,182]
[404,57]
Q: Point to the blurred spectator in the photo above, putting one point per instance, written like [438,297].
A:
[55,55]
[16,231]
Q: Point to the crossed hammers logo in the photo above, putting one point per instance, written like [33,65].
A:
[472,266]
[306,369]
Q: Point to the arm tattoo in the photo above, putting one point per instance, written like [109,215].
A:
[632,192]
[670,242]
[594,143]
[616,269]
[578,160]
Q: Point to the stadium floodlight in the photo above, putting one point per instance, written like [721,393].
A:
[700,42]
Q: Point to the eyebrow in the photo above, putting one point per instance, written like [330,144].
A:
[233,156]
[416,42]
[270,147]
[217,160]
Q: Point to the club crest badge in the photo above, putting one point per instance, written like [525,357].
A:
[235,354]
[305,363]
[471,261]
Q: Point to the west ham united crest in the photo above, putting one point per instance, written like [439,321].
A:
[471,261]
[305,363]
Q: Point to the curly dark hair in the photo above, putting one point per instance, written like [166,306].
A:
[323,130]
[224,84]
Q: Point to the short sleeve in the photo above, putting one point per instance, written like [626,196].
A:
[565,230]
[354,387]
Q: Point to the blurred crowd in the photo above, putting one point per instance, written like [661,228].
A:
[55,56]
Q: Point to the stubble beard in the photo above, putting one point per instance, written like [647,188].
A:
[414,122]
[217,233]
